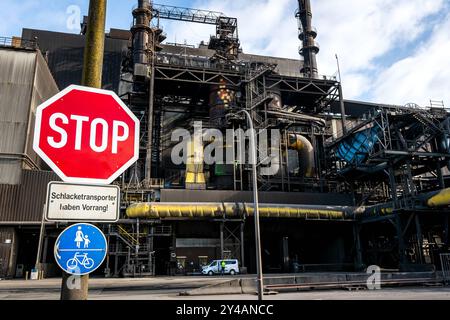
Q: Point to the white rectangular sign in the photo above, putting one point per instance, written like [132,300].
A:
[82,203]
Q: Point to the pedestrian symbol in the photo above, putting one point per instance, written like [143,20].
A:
[80,249]
[79,236]
[86,241]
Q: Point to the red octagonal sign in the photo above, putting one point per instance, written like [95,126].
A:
[86,135]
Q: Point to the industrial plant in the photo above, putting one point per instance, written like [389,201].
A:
[351,183]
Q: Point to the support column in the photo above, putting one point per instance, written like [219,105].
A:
[151,263]
[446,235]
[137,247]
[45,250]
[116,259]
[358,251]
[440,176]
[286,254]
[419,238]
[398,222]
[242,245]
[343,113]
[108,239]
[221,240]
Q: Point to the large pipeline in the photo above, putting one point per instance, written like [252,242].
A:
[297,117]
[430,200]
[437,199]
[305,154]
[158,210]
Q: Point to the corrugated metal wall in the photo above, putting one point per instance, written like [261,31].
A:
[25,202]
[25,82]
[16,83]
[44,87]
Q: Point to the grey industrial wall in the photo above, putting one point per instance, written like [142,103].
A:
[23,203]
[8,252]
[25,82]
[64,52]
[44,87]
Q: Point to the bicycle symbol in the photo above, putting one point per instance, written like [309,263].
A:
[86,262]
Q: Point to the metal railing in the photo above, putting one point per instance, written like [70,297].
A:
[186,14]
[191,61]
[16,42]
[445,264]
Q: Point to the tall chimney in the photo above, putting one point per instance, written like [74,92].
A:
[142,32]
[307,34]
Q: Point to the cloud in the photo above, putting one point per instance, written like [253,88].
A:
[389,51]
[422,76]
[371,37]
[365,35]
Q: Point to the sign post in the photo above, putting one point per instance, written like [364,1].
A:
[79,250]
[88,136]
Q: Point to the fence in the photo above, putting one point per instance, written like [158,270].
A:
[445,263]
[16,42]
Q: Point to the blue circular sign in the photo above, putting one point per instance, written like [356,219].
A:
[80,249]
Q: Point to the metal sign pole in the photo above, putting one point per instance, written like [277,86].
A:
[37,265]
[92,77]
[260,280]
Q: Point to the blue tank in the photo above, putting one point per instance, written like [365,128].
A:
[355,149]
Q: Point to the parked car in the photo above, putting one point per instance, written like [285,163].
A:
[215,267]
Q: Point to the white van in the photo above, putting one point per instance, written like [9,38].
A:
[231,267]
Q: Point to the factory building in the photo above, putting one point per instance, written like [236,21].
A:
[342,185]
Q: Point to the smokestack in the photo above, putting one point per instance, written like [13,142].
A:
[141,32]
[307,34]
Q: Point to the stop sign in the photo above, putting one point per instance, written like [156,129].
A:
[86,135]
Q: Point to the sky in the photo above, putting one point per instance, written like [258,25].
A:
[393,52]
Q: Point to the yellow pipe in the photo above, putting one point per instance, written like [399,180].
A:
[274,211]
[178,210]
[305,151]
[231,210]
[441,199]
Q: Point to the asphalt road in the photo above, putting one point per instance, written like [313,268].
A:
[169,289]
